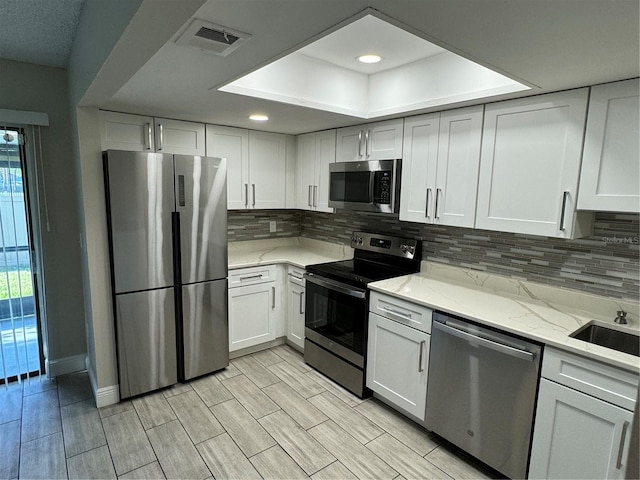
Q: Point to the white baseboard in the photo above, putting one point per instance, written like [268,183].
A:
[103,396]
[62,366]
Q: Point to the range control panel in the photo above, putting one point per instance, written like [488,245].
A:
[400,247]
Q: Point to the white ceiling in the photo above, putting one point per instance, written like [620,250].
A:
[38,31]
[548,44]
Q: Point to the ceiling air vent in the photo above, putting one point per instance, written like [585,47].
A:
[212,38]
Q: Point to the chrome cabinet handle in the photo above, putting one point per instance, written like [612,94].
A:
[301,302]
[161,139]
[623,436]
[246,194]
[426,208]
[273,297]
[336,286]
[148,141]
[396,315]
[309,202]
[253,189]
[360,143]
[420,369]
[564,207]
[315,195]
[250,277]
[366,144]
[181,192]
[438,192]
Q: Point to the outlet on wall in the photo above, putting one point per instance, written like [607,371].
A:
[272,226]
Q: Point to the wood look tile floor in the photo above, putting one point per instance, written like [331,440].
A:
[266,416]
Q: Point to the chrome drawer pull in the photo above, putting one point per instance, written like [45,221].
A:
[420,369]
[396,312]
[625,425]
[250,277]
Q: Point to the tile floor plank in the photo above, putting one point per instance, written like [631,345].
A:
[230,371]
[128,442]
[92,464]
[297,407]
[302,447]
[109,410]
[335,471]
[297,380]
[343,394]
[196,418]
[10,402]
[43,458]
[151,470]
[266,357]
[351,453]
[225,459]
[81,427]
[405,430]
[293,357]
[242,427]
[403,459]
[255,371]
[176,389]
[38,384]
[153,410]
[211,390]
[9,449]
[250,396]
[178,457]
[275,464]
[458,465]
[74,387]
[359,427]
[40,415]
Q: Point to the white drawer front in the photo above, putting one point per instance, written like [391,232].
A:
[251,276]
[602,381]
[295,275]
[407,313]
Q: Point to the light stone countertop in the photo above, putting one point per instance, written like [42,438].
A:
[298,251]
[532,310]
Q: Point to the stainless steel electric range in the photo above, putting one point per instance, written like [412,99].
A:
[337,305]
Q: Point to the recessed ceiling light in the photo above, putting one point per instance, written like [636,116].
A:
[370,58]
[257,117]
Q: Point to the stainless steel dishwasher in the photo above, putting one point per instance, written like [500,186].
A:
[481,392]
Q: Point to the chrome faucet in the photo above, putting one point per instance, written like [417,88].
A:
[621,318]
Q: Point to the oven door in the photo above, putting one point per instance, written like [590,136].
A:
[336,317]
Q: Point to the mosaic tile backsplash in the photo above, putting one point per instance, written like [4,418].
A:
[606,263]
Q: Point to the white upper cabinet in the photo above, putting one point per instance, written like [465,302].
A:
[267,170]
[440,167]
[530,163]
[122,131]
[180,138]
[374,141]
[232,144]
[315,151]
[610,178]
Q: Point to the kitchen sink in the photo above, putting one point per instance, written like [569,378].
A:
[611,337]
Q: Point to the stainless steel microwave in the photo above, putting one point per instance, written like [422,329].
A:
[369,186]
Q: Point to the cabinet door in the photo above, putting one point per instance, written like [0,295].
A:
[529,165]
[295,315]
[417,193]
[267,170]
[251,315]
[121,131]
[325,155]
[349,144]
[383,140]
[181,138]
[456,185]
[578,436]
[397,364]
[610,179]
[232,144]
[305,170]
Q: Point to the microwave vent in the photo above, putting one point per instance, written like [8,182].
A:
[211,38]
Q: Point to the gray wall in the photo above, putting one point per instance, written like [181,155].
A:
[44,89]
[606,263]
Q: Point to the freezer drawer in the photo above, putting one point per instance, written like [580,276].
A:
[205,328]
[146,333]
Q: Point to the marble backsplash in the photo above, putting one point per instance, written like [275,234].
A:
[605,263]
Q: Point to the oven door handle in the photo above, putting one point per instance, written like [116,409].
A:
[336,286]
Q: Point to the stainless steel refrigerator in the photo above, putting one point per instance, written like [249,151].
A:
[167,218]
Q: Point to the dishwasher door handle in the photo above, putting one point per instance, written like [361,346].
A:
[485,342]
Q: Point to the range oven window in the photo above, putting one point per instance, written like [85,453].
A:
[337,316]
[350,187]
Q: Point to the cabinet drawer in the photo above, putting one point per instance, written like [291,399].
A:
[252,276]
[401,311]
[295,275]
[602,381]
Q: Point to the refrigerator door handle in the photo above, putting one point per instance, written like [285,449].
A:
[181,194]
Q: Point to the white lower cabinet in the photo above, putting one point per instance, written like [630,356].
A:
[398,355]
[253,309]
[576,434]
[295,307]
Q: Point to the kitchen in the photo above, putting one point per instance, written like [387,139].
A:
[458,246]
